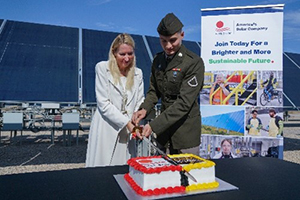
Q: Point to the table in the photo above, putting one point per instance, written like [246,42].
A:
[257,178]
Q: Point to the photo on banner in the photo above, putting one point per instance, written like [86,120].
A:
[226,87]
[242,97]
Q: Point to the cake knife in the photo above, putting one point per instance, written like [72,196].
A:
[165,156]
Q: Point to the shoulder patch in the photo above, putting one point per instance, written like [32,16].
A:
[193,82]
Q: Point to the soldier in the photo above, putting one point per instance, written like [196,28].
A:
[176,78]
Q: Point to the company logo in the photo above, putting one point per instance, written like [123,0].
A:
[220,24]
[222,29]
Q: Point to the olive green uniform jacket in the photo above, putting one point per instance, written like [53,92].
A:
[178,84]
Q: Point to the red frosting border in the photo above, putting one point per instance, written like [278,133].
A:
[133,163]
[150,192]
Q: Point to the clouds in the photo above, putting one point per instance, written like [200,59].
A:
[192,32]
[292,17]
[271,2]
[291,25]
[97,2]
[107,26]
[191,29]
[110,26]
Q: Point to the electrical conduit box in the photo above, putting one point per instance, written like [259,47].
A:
[12,121]
[70,121]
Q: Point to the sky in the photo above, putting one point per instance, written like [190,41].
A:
[139,17]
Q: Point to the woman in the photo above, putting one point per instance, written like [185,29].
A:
[226,146]
[119,92]
[222,93]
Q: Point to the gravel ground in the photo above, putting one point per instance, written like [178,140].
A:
[291,144]
[36,153]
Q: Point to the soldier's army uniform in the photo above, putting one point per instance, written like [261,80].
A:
[177,83]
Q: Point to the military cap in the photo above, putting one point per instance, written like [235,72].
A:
[169,25]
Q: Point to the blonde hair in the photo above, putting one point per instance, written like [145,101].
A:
[123,38]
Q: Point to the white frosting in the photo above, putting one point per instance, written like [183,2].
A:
[167,178]
[155,180]
[203,175]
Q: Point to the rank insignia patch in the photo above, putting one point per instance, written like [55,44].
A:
[193,82]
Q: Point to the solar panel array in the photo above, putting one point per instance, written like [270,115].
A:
[96,46]
[41,63]
[233,121]
[291,74]
[38,63]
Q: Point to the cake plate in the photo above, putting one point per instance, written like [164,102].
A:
[132,195]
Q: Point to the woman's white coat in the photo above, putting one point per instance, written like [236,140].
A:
[109,142]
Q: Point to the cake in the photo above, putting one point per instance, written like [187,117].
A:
[155,175]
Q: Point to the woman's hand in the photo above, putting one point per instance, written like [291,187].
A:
[133,130]
[138,116]
[130,126]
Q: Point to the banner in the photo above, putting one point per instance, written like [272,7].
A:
[242,99]
[244,37]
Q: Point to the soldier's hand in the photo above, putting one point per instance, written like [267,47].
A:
[138,116]
[147,130]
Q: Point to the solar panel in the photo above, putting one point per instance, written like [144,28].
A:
[96,46]
[154,44]
[295,57]
[193,46]
[287,103]
[38,63]
[143,60]
[291,74]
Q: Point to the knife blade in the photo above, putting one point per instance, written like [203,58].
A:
[168,158]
